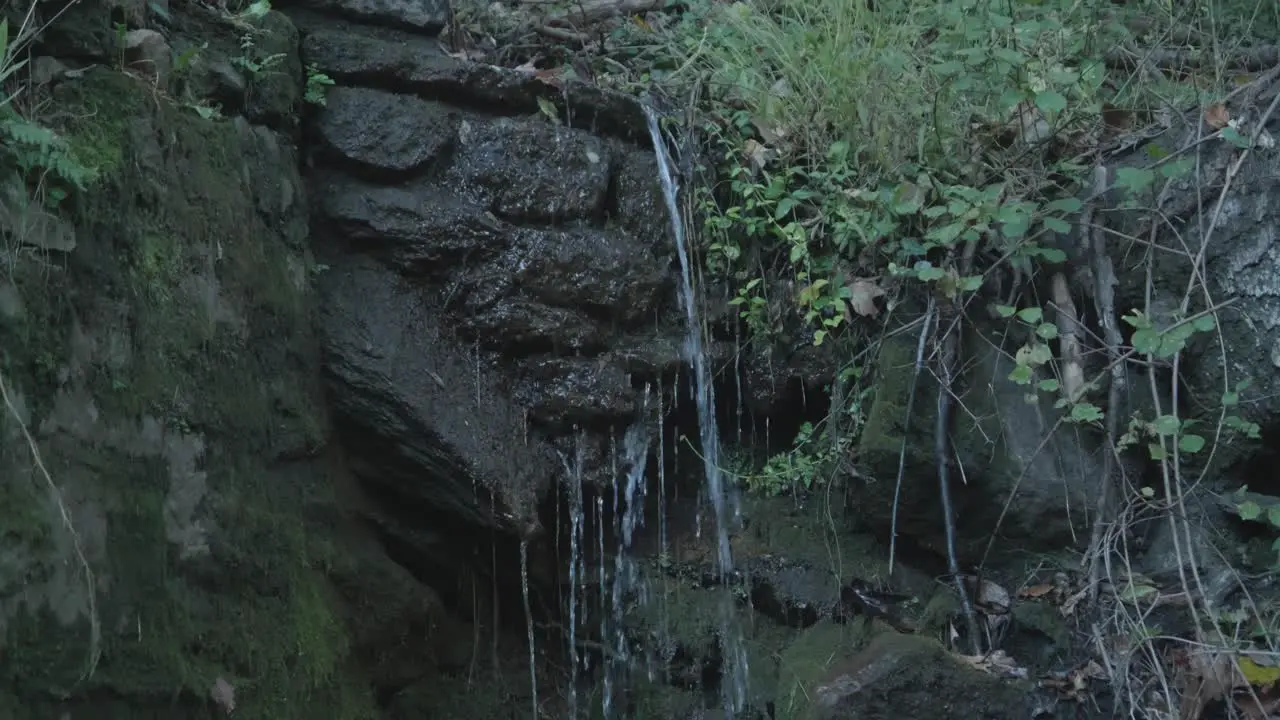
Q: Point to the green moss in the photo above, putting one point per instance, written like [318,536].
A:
[106,102]
[215,314]
[808,659]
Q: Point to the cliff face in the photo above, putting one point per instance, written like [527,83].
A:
[173,539]
[215,443]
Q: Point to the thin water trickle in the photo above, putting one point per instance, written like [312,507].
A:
[607,702]
[629,516]
[528,619]
[720,494]
[577,567]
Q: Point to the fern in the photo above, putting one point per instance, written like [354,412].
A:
[38,151]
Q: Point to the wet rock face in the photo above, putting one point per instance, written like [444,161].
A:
[491,273]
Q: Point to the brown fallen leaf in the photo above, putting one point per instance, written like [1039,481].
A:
[862,296]
[1073,684]
[1216,116]
[1261,705]
[757,153]
[1036,591]
[1206,677]
[996,663]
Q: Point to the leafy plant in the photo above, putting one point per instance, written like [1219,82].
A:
[318,85]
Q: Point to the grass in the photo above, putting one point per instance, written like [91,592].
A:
[919,81]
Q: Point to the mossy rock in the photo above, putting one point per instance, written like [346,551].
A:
[998,455]
[168,370]
[888,676]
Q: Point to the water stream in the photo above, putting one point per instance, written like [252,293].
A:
[734,677]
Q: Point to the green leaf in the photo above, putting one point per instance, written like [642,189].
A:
[1166,425]
[1047,331]
[1021,375]
[1156,451]
[1134,179]
[1086,412]
[1273,515]
[929,273]
[946,234]
[908,198]
[1065,205]
[1056,224]
[1249,510]
[785,206]
[1050,385]
[1133,592]
[1190,444]
[1006,311]
[1230,398]
[1204,323]
[1040,354]
[1051,102]
[971,283]
[1030,315]
[1052,255]
[1146,341]
[1234,137]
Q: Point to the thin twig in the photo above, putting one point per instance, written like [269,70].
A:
[1104,281]
[942,452]
[906,430]
[95,632]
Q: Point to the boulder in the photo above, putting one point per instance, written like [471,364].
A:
[1006,450]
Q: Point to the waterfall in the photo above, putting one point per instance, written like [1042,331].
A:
[733,691]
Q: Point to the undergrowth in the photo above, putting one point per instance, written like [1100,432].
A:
[888,156]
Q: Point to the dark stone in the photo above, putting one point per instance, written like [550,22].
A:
[404,62]
[565,392]
[421,417]
[385,135]
[535,172]
[417,229]
[423,16]
[594,270]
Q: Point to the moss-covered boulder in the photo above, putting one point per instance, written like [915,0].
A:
[1007,448]
[863,671]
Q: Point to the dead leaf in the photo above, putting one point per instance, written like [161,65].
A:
[529,66]
[1073,684]
[1262,705]
[1206,677]
[757,154]
[1069,606]
[992,599]
[1036,591]
[223,695]
[1216,116]
[997,663]
[862,296]
[1116,119]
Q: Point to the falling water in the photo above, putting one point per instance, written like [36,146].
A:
[734,692]
[629,514]
[573,479]
[528,618]
[604,600]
